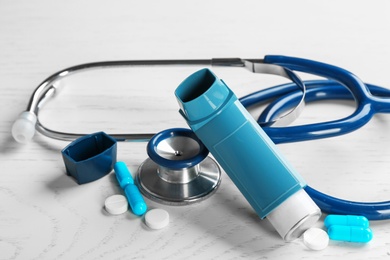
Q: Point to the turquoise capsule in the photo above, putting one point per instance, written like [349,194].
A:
[346,220]
[135,199]
[350,233]
[122,174]
[132,193]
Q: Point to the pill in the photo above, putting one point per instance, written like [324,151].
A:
[157,218]
[123,174]
[346,220]
[116,204]
[135,199]
[315,239]
[132,193]
[350,233]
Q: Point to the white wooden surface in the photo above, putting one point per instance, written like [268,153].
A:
[45,215]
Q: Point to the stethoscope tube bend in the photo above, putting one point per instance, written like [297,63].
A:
[24,127]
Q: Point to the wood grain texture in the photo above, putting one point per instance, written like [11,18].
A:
[45,215]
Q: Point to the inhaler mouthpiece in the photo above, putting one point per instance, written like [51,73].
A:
[23,129]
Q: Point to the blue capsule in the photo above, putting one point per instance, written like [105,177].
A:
[346,220]
[350,233]
[122,174]
[135,199]
[132,193]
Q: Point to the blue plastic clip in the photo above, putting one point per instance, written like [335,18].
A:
[90,157]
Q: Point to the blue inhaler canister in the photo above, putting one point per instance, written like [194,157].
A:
[250,158]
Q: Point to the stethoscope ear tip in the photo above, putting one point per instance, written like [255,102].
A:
[23,128]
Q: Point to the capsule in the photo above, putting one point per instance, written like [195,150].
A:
[346,220]
[132,193]
[123,175]
[350,233]
[135,199]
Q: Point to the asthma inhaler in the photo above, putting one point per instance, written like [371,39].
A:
[246,153]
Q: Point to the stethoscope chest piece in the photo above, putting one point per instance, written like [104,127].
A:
[178,170]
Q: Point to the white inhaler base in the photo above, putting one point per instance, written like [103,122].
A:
[294,216]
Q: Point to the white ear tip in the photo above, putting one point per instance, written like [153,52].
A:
[23,128]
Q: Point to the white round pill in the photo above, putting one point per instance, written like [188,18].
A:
[315,239]
[116,204]
[157,218]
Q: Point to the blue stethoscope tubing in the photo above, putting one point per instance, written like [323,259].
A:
[342,84]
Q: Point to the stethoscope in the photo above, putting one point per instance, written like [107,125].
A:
[290,97]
